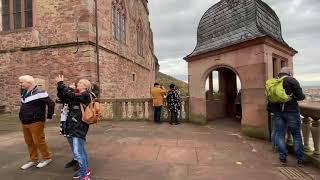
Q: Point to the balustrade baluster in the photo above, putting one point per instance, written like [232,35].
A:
[137,109]
[315,131]
[306,133]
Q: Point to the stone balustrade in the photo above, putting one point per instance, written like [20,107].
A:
[138,109]
[311,130]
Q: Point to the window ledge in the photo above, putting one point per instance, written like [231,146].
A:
[16,31]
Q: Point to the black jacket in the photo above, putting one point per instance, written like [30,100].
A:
[75,127]
[293,89]
[33,106]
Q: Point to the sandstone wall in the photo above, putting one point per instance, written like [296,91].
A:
[63,39]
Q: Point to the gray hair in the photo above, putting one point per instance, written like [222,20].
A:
[28,78]
[287,70]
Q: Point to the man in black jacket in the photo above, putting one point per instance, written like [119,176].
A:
[287,116]
[33,116]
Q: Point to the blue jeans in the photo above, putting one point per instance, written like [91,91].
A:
[291,120]
[71,145]
[273,132]
[79,154]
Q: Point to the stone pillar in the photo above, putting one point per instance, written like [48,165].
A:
[197,104]
[315,131]
[210,86]
[306,133]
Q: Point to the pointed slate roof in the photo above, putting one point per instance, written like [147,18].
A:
[230,22]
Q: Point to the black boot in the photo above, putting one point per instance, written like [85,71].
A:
[76,167]
[70,164]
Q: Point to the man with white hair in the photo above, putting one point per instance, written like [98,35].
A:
[33,116]
[287,116]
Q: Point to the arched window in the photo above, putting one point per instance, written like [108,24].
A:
[119,21]
[140,35]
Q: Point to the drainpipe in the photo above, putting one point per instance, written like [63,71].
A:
[97,45]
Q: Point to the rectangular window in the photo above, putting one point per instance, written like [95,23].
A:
[274,66]
[5,15]
[114,20]
[138,41]
[28,13]
[118,21]
[123,29]
[118,25]
[16,14]
[133,77]
[283,63]
[141,42]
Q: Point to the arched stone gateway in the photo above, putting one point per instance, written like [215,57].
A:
[237,38]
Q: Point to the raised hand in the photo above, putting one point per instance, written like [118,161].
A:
[59,78]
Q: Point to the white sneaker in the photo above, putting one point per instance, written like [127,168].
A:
[28,165]
[44,163]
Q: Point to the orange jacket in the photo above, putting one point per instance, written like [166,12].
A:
[158,96]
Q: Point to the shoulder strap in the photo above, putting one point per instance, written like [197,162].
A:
[282,78]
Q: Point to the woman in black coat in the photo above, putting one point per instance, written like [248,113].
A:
[75,129]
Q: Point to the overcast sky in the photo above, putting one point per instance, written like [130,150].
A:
[174,23]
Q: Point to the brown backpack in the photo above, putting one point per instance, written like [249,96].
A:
[91,114]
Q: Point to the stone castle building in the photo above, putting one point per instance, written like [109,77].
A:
[44,38]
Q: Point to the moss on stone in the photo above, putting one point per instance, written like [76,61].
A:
[255,132]
[198,119]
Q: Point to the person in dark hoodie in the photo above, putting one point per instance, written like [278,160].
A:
[76,129]
[33,117]
[287,116]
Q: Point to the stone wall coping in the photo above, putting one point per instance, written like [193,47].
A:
[309,110]
[133,100]
[262,40]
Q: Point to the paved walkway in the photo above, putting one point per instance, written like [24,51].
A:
[146,151]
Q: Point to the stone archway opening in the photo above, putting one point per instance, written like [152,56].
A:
[223,94]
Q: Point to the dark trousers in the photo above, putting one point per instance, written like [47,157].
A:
[157,113]
[174,117]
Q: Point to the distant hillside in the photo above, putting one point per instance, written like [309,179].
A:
[166,80]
